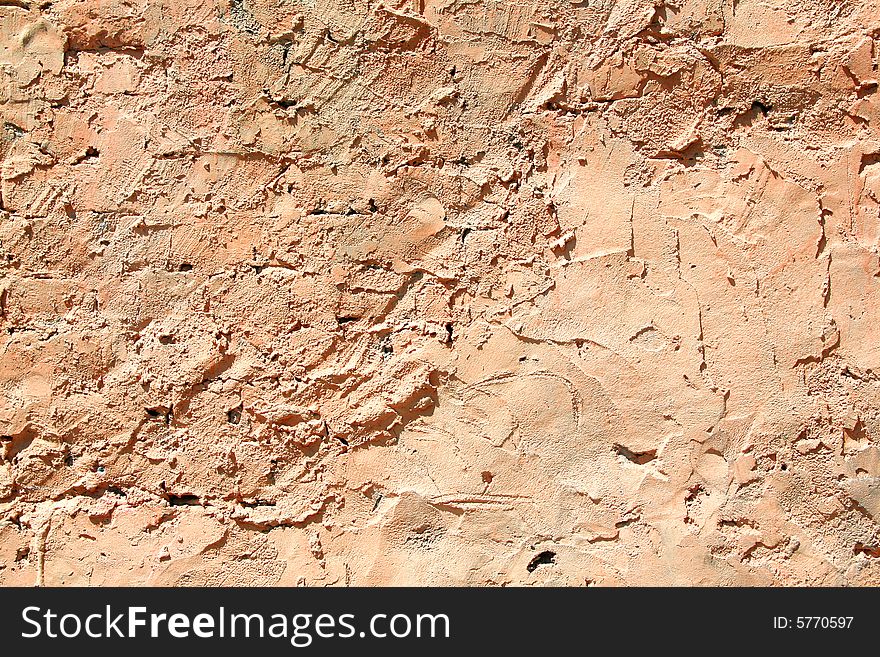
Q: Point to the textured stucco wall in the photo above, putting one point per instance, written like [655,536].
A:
[439,292]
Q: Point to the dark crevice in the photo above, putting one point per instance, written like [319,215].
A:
[868,159]
[639,458]
[185,499]
[871,551]
[545,558]
[763,108]
[233,415]
[257,502]
[90,154]
[166,413]
[866,89]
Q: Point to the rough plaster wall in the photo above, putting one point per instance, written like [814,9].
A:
[439,292]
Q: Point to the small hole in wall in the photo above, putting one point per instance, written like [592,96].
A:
[164,412]
[763,108]
[185,266]
[783,467]
[867,550]
[185,499]
[233,415]
[545,558]
[487,477]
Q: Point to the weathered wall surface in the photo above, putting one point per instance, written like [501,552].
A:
[439,292]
